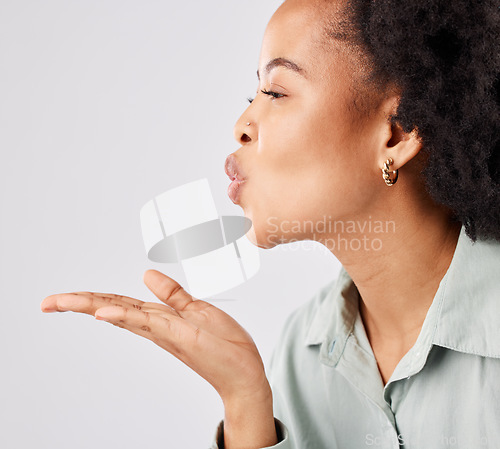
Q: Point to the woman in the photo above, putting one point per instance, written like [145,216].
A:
[378,120]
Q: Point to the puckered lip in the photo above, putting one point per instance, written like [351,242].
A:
[233,169]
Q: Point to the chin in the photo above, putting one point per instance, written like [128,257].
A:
[259,236]
[253,237]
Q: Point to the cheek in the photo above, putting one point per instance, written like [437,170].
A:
[296,196]
[307,166]
[303,157]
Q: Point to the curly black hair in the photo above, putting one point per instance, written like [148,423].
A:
[444,57]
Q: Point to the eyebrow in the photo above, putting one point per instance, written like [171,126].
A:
[282,62]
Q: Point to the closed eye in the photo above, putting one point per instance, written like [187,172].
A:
[272,93]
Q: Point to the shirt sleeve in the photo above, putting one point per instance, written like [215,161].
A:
[281,433]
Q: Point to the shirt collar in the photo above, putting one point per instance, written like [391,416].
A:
[463,315]
[336,311]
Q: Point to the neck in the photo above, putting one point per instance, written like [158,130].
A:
[398,271]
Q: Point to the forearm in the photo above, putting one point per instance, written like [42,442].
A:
[249,423]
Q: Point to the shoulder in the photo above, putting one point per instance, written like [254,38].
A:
[300,320]
[295,333]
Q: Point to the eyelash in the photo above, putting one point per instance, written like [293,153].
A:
[268,92]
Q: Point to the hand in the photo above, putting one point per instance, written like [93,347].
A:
[199,334]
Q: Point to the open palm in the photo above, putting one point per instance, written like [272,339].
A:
[199,334]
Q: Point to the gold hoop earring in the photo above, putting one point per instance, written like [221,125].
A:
[386,171]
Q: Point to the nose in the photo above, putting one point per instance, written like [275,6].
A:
[244,130]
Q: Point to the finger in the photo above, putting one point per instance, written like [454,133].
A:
[84,302]
[134,317]
[67,301]
[89,302]
[167,290]
[154,307]
[172,331]
[147,332]
[143,332]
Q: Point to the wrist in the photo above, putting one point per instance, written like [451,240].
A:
[237,408]
[249,421]
[261,398]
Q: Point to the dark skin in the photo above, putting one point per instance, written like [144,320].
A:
[328,158]
[200,335]
[307,155]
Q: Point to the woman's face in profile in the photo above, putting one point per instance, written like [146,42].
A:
[306,153]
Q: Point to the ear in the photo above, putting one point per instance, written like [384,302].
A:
[402,147]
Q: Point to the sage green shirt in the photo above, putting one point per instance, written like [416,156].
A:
[444,392]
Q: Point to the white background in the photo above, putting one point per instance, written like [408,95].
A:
[105,104]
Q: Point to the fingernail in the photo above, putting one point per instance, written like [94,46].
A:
[101,318]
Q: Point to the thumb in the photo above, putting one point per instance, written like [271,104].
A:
[167,290]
